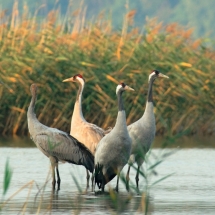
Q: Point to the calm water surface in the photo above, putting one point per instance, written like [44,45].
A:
[189,191]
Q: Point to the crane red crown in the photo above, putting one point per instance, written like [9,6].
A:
[79,75]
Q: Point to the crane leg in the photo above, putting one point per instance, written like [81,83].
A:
[92,179]
[103,186]
[52,160]
[103,183]
[117,183]
[88,178]
[53,178]
[137,177]
[127,178]
[58,177]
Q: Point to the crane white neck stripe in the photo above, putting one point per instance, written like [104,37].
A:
[80,80]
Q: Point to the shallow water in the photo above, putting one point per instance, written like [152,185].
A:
[189,191]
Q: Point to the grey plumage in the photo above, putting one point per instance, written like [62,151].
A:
[113,150]
[55,144]
[142,132]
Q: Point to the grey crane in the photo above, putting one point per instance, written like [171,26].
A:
[87,133]
[113,151]
[142,132]
[56,144]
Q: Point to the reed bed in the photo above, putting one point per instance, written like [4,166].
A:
[50,49]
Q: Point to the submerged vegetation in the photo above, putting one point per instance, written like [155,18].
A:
[47,50]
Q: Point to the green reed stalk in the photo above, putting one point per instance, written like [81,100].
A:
[7,177]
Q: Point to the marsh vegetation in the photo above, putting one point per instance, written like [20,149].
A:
[48,50]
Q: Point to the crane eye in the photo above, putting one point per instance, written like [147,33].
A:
[155,71]
[123,85]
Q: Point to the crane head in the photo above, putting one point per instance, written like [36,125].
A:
[122,87]
[156,74]
[33,89]
[75,78]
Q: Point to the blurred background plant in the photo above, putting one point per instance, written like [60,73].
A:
[47,49]
[7,177]
[200,19]
[6,181]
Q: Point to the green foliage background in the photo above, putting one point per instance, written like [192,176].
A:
[48,49]
[197,14]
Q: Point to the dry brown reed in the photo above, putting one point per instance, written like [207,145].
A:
[47,50]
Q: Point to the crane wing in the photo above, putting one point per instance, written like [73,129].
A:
[89,134]
[108,130]
[99,132]
[64,147]
[94,134]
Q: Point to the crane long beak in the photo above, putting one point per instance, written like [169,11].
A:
[68,80]
[160,75]
[129,88]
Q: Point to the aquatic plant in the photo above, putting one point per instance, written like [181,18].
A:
[7,177]
[6,181]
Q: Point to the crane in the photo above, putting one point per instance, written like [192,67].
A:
[57,145]
[142,132]
[87,133]
[113,150]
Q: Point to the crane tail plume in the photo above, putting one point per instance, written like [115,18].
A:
[98,175]
[89,163]
[101,178]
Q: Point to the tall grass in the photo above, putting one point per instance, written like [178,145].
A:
[47,50]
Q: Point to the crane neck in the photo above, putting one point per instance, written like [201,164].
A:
[77,112]
[150,97]
[121,117]
[33,123]
[31,113]
[149,110]
[120,101]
